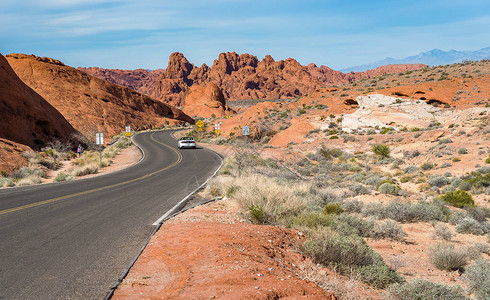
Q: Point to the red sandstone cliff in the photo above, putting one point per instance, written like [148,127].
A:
[238,76]
[91,104]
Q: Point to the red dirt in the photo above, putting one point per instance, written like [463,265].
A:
[196,256]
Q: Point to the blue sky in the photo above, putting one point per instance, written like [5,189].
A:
[130,34]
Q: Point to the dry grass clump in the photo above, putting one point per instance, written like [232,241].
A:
[445,256]
[279,199]
[85,169]
[478,278]
[29,180]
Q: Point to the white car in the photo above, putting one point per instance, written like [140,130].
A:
[187,142]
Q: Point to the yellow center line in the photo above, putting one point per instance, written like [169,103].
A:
[179,159]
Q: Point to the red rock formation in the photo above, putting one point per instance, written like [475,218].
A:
[206,102]
[26,117]
[91,104]
[239,77]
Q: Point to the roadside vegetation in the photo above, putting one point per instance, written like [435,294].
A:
[51,158]
[321,195]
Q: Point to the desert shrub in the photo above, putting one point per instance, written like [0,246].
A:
[407,212]
[487,161]
[349,254]
[257,215]
[312,220]
[458,198]
[445,141]
[421,289]
[471,226]
[328,196]
[477,277]
[359,189]
[427,166]
[373,180]
[411,169]
[389,229]
[438,180]
[381,150]
[29,180]
[6,182]
[348,224]
[279,199]
[389,189]
[379,275]
[355,177]
[352,206]
[478,213]
[62,176]
[85,169]
[231,190]
[484,170]
[446,257]
[442,231]
[330,153]
[405,178]
[397,162]
[463,151]
[333,208]
[445,165]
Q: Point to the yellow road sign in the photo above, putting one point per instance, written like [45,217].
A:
[128,133]
[217,131]
[199,129]
[199,123]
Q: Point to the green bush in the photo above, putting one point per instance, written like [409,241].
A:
[463,151]
[411,169]
[62,177]
[334,208]
[381,150]
[257,215]
[427,166]
[352,206]
[478,279]
[379,275]
[445,257]
[351,225]
[312,220]
[487,161]
[407,212]
[458,198]
[6,182]
[421,289]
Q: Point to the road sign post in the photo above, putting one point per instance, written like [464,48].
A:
[217,128]
[199,125]
[99,140]
[128,130]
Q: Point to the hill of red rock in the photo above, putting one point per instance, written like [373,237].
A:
[206,102]
[91,104]
[238,76]
[27,118]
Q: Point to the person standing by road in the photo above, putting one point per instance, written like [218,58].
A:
[79,150]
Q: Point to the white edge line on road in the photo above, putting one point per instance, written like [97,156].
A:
[176,207]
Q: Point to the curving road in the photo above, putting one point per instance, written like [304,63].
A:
[72,240]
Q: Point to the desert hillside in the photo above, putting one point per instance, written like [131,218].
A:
[27,118]
[238,76]
[91,104]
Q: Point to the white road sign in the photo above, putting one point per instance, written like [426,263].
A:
[245,130]
[99,138]
[128,128]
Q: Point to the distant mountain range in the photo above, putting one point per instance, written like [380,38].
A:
[433,57]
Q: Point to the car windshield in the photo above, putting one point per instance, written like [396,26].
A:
[186,138]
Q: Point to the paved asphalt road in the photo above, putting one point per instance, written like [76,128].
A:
[72,240]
